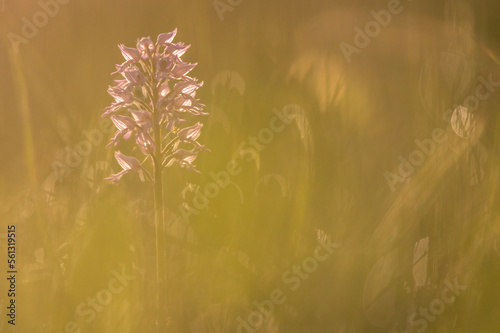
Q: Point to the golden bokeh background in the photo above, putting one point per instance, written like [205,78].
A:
[333,176]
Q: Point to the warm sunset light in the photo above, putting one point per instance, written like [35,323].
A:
[250,166]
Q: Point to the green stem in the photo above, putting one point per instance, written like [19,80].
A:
[160,248]
[159,209]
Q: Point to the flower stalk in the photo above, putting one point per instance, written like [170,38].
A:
[152,100]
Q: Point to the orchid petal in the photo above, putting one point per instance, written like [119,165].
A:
[191,133]
[130,53]
[165,38]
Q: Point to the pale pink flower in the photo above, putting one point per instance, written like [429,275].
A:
[164,66]
[177,49]
[121,93]
[125,126]
[165,38]
[157,94]
[128,164]
[190,133]
[142,118]
[188,87]
[146,47]
[130,54]
[145,142]
[158,97]
[182,68]
[164,89]
[134,76]
[184,157]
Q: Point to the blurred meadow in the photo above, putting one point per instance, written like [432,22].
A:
[357,217]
